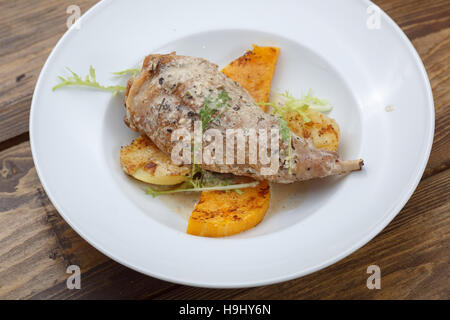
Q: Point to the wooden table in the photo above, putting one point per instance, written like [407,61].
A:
[37,245]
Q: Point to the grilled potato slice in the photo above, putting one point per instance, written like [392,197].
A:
[322,130]
[221,213]
[145,162]
[254,71]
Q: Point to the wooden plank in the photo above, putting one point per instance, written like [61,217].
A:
[434,50]
[440,152]
[29,30]
[412,253]
[108,280]
[417,18]
[38,245]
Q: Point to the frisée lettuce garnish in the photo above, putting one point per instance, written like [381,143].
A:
[133,72]
[285,103]
[201,180]
[90,80]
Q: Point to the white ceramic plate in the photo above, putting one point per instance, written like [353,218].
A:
[76,134]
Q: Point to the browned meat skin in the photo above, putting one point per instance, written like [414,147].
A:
[169,93]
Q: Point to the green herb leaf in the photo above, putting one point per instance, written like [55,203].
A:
[133,72]
[210,107]
[206,113]
[285,131]
[286,136]
[201,180]
[235,187]
[89,81]
[287,103]
[223,97]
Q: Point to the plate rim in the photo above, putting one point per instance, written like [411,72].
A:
[391,214]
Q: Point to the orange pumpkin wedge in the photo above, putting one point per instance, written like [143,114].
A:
[224,213]
[254,71]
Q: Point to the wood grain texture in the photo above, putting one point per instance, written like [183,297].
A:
[28,32]
[37,245]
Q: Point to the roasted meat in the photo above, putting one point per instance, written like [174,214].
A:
[169,94]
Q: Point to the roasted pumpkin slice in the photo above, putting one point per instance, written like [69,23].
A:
[224,213]
[145,162]
[254,71]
